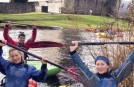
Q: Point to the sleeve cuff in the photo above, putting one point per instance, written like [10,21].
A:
[73,52]
[44,66]
[1,51]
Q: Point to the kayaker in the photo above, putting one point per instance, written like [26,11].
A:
[21,38]
[104,77]
[18,72]
[110,32]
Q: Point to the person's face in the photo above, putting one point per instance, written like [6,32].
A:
[21,39]
[15,56]
[101,66]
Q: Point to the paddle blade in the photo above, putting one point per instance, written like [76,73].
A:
[77,74]
[72,71]
[42,44]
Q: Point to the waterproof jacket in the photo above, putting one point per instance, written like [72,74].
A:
[1,67]
[17,75]
[11,41]
[93,80]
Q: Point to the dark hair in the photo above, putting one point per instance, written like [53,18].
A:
[21,34]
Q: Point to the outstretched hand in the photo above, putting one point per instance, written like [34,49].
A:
[72,48]
[3,42]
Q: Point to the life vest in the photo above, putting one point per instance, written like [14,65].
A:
[31,83]
[22,46]
[108,82]
[16,77]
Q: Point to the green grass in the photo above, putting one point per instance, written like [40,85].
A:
[63,20]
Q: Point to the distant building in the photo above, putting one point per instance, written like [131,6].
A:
[52,6]
[67,6]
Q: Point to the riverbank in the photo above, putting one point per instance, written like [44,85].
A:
[63,20]
[30,26]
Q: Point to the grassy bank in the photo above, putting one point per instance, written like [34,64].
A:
[63,20]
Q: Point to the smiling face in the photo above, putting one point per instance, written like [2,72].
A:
[15,56]
[21,39]
[101,66]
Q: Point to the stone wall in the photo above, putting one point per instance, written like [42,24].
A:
[98,7]
[18,7]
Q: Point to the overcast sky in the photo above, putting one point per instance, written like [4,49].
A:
[126,3]
[4,0]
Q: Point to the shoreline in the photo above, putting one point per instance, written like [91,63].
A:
[30,26]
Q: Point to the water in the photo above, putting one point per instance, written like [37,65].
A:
[60,55]
[54,54]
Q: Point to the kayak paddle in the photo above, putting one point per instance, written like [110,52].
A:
[41,44]
[71,71]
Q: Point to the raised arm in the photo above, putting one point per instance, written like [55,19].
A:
[6,34]
[3,63]
[34,33]
[41,75]
[125,69]
[88,78]
[77,59]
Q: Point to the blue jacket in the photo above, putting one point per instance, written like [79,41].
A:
[93,80]
[17,75]
[1,67]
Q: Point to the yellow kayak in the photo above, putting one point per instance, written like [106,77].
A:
[104,35]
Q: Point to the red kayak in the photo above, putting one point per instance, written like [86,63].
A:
[90,30]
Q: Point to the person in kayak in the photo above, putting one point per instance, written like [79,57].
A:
[110,32]
[104,77]
[18,72]
[21,38]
